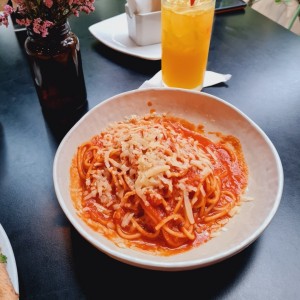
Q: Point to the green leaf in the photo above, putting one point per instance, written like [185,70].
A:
[3,258]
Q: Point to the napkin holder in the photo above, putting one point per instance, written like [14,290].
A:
[145,28]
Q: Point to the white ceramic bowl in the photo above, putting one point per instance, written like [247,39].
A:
[265,172]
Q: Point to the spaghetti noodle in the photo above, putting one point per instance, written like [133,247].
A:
[158,182]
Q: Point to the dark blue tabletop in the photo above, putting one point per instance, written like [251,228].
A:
[54,261]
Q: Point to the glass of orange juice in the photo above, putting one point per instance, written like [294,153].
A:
[185,40]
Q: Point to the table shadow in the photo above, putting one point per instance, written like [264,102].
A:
[3,152]
[59,125]
[140,65]
[210,282]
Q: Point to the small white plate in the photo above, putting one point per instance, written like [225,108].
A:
[6,249]
[265,172]
[113,33]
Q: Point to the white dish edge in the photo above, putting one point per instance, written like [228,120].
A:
[6,249]
[113,32]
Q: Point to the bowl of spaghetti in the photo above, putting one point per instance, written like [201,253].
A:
[168,179]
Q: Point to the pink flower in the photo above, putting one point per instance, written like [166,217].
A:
[24,22]
[8,9]
[41,27]
[4,16]
[48,3]
[46,13]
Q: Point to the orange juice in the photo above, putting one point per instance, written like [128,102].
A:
[186,34]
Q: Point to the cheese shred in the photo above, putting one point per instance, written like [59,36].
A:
[155,180]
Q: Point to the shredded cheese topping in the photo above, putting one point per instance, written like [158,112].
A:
[150,177]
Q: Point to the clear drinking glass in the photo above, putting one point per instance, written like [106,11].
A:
[186,34]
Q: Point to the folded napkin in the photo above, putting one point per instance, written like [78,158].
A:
[143,6]
[211,78]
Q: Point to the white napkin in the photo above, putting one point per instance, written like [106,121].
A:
[211,78]
[143,6]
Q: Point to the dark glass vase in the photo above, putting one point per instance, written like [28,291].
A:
[56,67]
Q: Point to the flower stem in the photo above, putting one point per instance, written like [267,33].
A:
[297,12]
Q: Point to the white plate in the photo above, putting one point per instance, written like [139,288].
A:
[113,33]
[6,249]
[265,172]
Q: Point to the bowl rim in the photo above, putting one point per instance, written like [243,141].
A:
[170,265]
